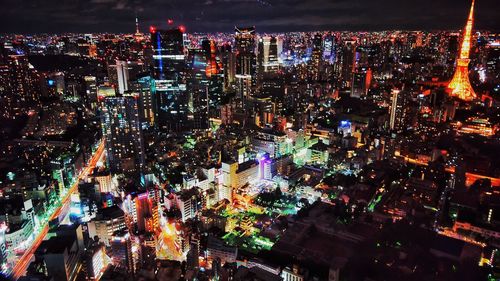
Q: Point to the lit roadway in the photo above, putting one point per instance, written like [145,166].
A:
[23,262]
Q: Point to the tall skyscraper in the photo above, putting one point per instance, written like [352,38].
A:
[346,60]
[19,91]
[246,66]
[142,86]
[245,49]
[122,132]
[393,108]
[90,83]
[460,85]
[399,110]
[315,62]
[272,57]
[329,48]
[169,91]
[260,61]
[228,58]
[122,72]
[123,76]
[215,75]
[198,87]
[360,84]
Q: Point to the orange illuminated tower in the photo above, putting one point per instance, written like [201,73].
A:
[460,86]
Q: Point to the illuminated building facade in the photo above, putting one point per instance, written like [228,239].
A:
[19,91]
[198,86]
[360,84]
[97,261]
[189,203]
[215,74]
[169,91]
[125,252]
[245,50]
[274,143]
[398,109]
[329,48]
[107,222]
[260,60]
[143,86]
[228,60]
[123,76]
[460,86]
[90,97]
[246,65]
[271,64]
[345,64]
[316,57]
[122,132]
[478,126]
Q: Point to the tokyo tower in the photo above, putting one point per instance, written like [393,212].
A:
[460,86]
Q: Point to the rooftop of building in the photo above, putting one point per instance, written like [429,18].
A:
[256,274]
[246,165]
[108,213]
[56,245]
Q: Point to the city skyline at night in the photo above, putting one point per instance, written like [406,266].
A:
[30,16]
[249,140]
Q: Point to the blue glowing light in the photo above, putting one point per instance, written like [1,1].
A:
[158,45]
[345,124]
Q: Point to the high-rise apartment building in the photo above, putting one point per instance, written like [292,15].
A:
[122,132]
[169,73]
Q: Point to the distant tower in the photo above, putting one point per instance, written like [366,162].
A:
[460,86]
[138,35]
[136,25]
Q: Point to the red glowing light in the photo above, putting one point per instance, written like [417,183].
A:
[170,21]
[152,29]
[182,28]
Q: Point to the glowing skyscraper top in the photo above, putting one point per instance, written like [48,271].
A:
[460,85]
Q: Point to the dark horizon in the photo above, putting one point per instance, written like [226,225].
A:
[210,16]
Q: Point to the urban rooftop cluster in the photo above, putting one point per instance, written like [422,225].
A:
[299,156]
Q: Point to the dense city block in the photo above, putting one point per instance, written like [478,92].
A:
[164,154]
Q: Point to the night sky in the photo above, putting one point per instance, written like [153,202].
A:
[55,16]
